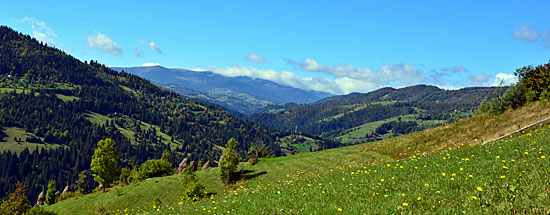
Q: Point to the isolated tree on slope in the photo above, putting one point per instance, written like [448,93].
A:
[229,162]
[105,162]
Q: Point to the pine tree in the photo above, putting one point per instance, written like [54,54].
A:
[229,164]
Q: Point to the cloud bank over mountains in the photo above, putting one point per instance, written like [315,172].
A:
[346,78]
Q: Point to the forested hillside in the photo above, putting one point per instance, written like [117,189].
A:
[369,116]
[55,108]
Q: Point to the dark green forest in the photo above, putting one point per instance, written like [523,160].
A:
[52,95]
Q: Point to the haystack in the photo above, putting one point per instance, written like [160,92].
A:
[206,166]
[41,199]
[182,165]
[66,190]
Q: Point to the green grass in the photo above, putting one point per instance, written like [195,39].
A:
[102,119]
[512,177]
[66,98]
[267,171]
[355,134]
[130,196]
[9,143]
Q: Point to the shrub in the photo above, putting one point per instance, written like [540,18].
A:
[125,174]
[192,190]
[167,156]
[514,97]
[531,96]
[545,96]
[255,152]
[50,194]
[150,169]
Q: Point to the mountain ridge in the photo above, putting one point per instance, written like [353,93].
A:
[419,106]
[257,93]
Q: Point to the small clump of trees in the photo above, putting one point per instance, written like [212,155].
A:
[533,85]
[256,151]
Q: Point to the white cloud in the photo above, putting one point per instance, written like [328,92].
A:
[532,34]
[104,43]
[150,64]
[255,58]
[398,74]
[152,46]
[138,52]
[40,30]
[507,79]
[482,79]
[346,78]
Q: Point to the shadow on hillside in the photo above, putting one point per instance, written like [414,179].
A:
[249,174]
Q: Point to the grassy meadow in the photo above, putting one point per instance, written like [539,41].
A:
[444,170]
[504,177]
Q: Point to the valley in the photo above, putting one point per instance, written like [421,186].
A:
[284,107]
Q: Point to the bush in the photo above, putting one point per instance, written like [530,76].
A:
[150,169]
[125,175]
[514,97]
[192,190]
[50,193]
[545,96]
[531,96]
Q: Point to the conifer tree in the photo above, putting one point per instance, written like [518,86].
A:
[229,163]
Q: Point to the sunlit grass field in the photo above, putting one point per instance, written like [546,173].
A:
[504,177]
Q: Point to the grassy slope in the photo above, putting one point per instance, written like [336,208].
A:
[329,164]
[504,177]
[466,131]
[268,171]
[357,134]
[10,144]
[102,119]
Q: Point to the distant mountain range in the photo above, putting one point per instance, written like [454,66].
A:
[242,94]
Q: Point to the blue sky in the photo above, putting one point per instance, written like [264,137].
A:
[333,46]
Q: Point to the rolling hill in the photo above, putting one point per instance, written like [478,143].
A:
[243,94]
